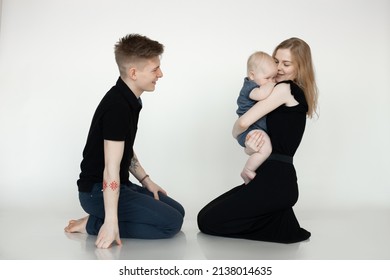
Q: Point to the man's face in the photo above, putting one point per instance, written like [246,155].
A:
[148,71]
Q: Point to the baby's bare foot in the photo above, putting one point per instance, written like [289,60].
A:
[77,225]
[247,175]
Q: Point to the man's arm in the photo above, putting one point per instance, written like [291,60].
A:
[140,174]
[109,232]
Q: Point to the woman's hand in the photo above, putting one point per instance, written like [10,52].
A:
[254,141]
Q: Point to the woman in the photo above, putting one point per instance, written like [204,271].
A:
[262,209]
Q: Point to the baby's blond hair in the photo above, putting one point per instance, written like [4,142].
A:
[257,59]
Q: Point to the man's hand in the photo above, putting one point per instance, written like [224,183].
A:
[108,233]
[153,187]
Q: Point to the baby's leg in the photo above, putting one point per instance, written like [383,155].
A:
[256,159]
[248,173]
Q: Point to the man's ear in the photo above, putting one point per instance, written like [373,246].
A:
[132,73]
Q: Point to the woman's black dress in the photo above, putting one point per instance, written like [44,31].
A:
[262,210]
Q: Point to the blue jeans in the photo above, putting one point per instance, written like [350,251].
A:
[139,214]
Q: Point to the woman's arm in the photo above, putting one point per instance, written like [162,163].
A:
[281,95]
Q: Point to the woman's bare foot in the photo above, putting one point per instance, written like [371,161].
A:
[247,175]
[77,225]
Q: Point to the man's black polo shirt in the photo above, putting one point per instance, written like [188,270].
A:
[116,119]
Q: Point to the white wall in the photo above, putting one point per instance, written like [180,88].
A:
[56,63]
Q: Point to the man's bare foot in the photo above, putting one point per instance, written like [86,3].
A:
[77,225]
[247,175]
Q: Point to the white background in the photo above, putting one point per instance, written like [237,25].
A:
[56,63]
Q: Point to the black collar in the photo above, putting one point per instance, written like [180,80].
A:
[128,94]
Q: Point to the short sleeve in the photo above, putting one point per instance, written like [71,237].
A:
[297,92]
[115,123]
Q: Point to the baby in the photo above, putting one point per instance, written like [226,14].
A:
[258,85]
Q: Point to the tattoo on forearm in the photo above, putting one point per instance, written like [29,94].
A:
[134,164]
[113,185]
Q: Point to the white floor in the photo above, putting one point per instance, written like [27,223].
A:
[356,234]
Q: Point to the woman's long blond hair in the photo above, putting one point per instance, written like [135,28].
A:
[305,77]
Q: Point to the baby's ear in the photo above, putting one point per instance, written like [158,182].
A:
[251,75]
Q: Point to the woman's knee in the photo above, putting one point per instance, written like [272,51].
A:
[205,221]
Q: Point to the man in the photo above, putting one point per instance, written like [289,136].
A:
[117,207]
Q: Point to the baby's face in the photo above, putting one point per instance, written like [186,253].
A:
[265,73]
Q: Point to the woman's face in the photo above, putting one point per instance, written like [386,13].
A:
[286,68]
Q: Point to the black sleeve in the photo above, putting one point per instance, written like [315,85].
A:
[115,123]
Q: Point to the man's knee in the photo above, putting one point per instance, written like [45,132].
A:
[174,227]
